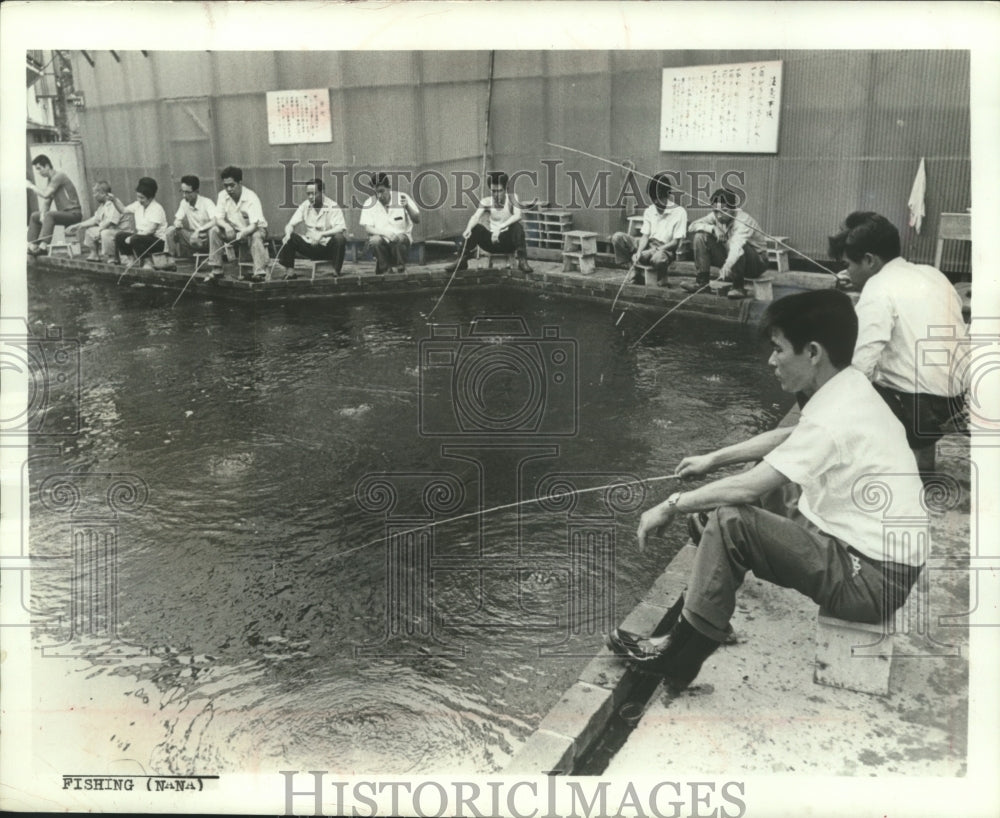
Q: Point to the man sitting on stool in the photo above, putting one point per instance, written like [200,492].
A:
[833,550]
[195,216]
[904,307]
[99,230]
[239,219]
[150,225]
[496,226]
[664,225]
[729,239]
[388,217]
[325,238]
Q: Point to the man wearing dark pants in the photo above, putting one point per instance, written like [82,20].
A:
[150,225]
[903,308]
[496,226]
[325,236]
[388,218]
[829,548]
[730,239]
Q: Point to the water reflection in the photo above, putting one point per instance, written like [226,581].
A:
[265,593]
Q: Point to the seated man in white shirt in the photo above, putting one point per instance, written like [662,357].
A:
[728,238]
[388,217]
[150,225]
[239,221]
[664,225]
[325,236]
[834,551]
[195,216]
[496,226]
[104,220]
[904,307]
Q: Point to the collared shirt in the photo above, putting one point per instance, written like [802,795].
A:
[858,476]
[328,217]
[494,216]
[106,215]
[242,214]
[393,220]
[910,330]
[149,220]
[200,215]
[667,227]
[742,230]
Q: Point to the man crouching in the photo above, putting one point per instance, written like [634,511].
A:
[825,545]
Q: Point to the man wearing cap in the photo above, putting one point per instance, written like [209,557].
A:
[195,216]
[664,225]
[388,217]
[150,224]
[496,226]
[730,239]
[324,236]
[239,220]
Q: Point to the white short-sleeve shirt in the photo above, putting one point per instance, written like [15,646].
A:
[393,220]
[667,227]
[848,448]
[242,214]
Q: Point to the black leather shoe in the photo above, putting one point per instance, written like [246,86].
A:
[640,648]
[681,658]
[523,266]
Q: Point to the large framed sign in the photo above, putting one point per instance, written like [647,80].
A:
[721,108]
[298,116]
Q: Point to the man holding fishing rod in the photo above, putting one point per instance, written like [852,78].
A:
[664,225]
[495,226]
[827,546]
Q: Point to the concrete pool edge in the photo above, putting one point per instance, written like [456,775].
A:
[602,287]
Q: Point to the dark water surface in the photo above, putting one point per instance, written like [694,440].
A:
[280,631]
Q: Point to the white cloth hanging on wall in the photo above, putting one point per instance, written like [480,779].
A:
[916,202]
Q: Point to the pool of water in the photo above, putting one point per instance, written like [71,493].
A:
[277,624]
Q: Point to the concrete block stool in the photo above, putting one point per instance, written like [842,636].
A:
[580,251]
[846,656]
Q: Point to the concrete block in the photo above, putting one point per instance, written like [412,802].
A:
[581,714]
[612,673]
[844,657]
[544,752]
[645,616]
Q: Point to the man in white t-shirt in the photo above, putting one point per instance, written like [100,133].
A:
[832,547]
[195,216]
[324,232]
[904,310]
[239,222]
[495,226]
[388,217]
[664,225]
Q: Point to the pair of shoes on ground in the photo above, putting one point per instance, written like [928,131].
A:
[38,249]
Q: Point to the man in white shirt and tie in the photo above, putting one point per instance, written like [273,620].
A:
[325,232]
[388,217]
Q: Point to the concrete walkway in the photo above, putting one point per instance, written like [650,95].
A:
[755,709]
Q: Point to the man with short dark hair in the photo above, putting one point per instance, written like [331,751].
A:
[728,238]
[902,308]
[150,225]
[664,225]
[58,204]
[831,549]
[496,226]
[388,217]
[99,230]
[239,220]
[195,216]
[325,237]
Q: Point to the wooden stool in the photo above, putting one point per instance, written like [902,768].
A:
[580,250]
[777,254]
[490,256]
[762,289]
[845,657]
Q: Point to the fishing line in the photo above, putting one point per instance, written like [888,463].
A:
[461,255]
[135,259]
[700,203]
[676,306]
[505,507]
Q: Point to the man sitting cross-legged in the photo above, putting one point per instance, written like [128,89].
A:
[827,547]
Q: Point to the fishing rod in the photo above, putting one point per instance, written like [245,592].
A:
[701,203]
[135,260]
[278,253]
[505,507]
[676,306]
[461,255]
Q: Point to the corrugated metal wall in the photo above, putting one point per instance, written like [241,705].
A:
[854,126]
